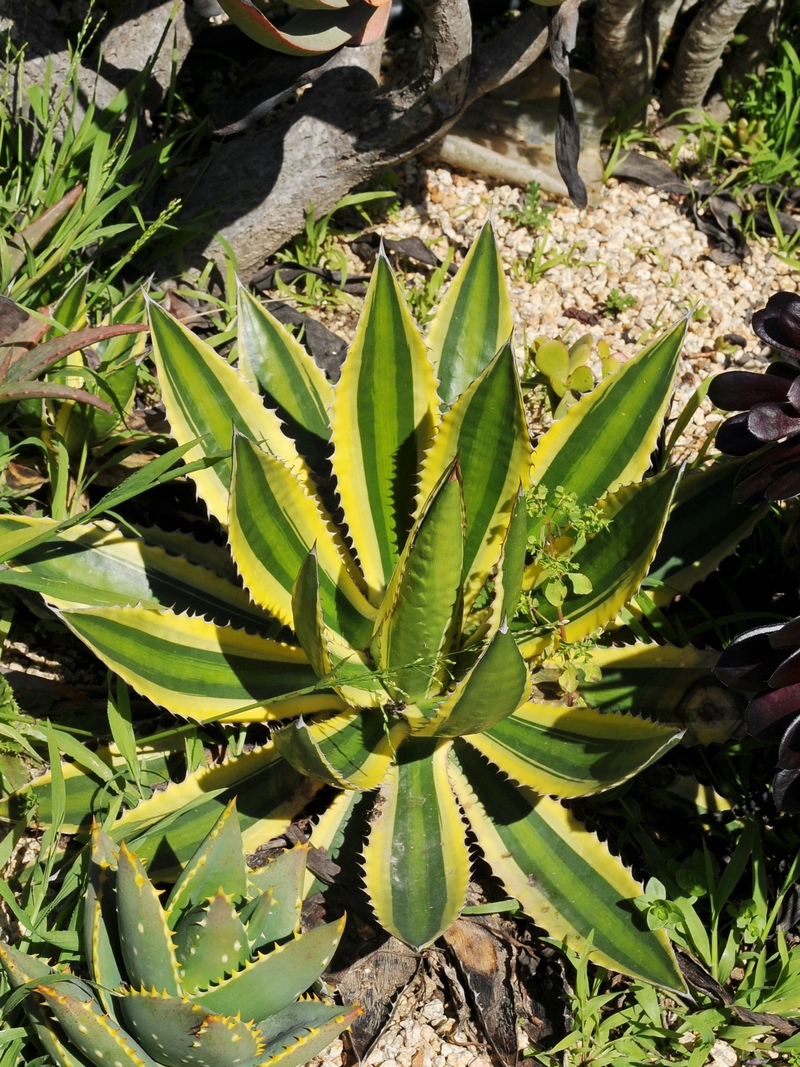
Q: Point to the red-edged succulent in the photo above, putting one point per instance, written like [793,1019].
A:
[764,664]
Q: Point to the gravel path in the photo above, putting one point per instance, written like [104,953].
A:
[638,242]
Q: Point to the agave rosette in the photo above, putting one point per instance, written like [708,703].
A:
[379,528]
[216,976]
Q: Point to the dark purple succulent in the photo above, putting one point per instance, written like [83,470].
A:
[778,324]
[764,664]
[768,406]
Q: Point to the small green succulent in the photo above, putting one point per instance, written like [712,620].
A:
[213,977]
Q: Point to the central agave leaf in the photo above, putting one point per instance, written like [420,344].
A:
[384,521]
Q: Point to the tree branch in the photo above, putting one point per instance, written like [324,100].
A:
[510,53]
[700,53]
[345,129]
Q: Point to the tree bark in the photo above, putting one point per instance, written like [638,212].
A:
[46,57]
[760,27]
[345,130]
[622,60]
[700,53]
[128,47]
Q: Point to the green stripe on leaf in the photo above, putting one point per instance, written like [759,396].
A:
[383,418]
[274,522]
[562,875]
[473,321]
[199,670]
[206,398]
[572,752]
[486,430]
[421,612]
[606,439]
[271,356]
[416,864]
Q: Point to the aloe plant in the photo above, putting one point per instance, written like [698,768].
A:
[25,358]
[216,976]
[385,531]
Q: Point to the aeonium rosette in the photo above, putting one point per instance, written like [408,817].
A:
[768,406]
[764,664]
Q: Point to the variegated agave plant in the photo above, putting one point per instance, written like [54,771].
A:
[212,978]
[379,530]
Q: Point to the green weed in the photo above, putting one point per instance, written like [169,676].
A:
[318,246]
[70,187]
[532,213]
[615,303]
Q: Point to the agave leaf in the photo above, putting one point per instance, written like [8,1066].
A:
[270,355]
[492,689]
[20,969]
[170,826]
[383,418]
[486,430]
[351,750]
[504,585]
[219,864]
[302,1030]
[91,1033]
[338,825]
[86,791]
[704,526]
[420,613]
[416,863]
[273,981]
[52,1039]
[96,565]
[204,398]
[572,752]
[197,669]
[473,321]
[179,1031]
[307,33]
[648,679]
[144,936]
[511,565]
[100,932]
[17,539]
[562,875]
[210,943]
[314,637]
[274,522]
[622,419]
[281,882]
[332,658]
[615,561]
